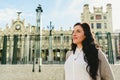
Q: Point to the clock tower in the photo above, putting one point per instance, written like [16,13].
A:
[18,26]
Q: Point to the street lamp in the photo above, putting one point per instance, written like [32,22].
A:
[51,27]
[38,31]
[61,50]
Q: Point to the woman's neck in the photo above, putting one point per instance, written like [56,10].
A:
[79,46]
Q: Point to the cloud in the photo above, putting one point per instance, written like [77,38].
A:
[116,14]
[66,13]
[6,15]
[70,14]
[29,18]
[72,9]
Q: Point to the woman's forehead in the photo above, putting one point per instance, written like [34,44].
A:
[77,27]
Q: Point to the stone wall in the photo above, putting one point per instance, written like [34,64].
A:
[48,72]
[116,71]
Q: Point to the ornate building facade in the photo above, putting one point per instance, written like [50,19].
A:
[101,25]
[99,20]
[20,42]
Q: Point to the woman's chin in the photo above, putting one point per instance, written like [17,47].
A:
[75,42]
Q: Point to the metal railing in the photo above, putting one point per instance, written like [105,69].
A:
[110,44]
[25,49]
[22,49]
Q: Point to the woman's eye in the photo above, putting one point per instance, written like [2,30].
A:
[78,31]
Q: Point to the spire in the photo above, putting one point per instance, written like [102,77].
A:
[19,15]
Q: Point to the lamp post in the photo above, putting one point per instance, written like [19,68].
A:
[61,50]
[51,27]
[38,31]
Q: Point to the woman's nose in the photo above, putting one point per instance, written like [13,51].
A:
[74,34]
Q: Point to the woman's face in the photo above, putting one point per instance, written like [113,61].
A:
[78,35]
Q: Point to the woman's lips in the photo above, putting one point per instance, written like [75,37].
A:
[75,38]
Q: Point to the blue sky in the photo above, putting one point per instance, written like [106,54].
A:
[62,13]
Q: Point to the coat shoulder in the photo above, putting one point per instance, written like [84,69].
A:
[68,54]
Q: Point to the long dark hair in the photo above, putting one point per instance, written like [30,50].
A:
[90,51]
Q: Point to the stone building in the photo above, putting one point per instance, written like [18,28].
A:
[27,45]
[99,20]
[101,25]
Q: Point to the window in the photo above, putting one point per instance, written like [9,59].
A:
[104,17]
[92,17]
[98,17]
[55,38]
[100,34]
[92,25]
[46,38]
[105,25]
[98,25]
[67,38]
[58,38]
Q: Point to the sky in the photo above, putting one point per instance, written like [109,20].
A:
[62,13]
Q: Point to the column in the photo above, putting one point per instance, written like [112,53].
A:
[27,48]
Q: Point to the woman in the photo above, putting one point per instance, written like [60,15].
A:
[86,61]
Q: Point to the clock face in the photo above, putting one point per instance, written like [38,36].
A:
[17,27]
